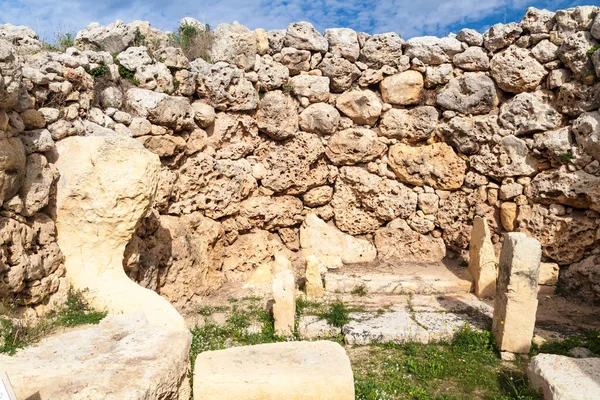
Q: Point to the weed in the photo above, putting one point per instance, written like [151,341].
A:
[305,306]
[127,74]
[360,291]
[99,71]
[566,157]
[194,41]
[75,311]
[590,340]
[593,49]
[338,314]
[287,88]
[139,39]
[65,41]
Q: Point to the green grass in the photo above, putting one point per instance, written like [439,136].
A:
[337,315]
[590,340]
[359,291]
[99,71]
[466,368]
[593,49]
[75,311]
[195,42]
[566,157]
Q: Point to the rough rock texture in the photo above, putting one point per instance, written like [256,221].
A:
[293,370]
[353,146]
[122,358]
[398,241]
[515,304]
[472,93]
[560,377]
[284,308]
[516,71]
[99,207]
[482,259]
[436,165]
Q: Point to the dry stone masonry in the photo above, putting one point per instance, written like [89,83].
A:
[345,146]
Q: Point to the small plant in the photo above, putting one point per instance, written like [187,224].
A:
[76,311]
[566,157]
[139,39]
[99,71]
[65,41]
[127,74]
[196,42]
[338,314]
[593,49]
[590,340]
[287,88]
[360,290]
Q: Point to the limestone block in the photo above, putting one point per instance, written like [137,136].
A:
[516,302]
[284,309]
[333,247]
[12,167]
[107,185]
[314,283]
[508,216]
[482,259]
[565,378]
[292,371]
[403,88]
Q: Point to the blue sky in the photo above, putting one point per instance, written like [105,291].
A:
[407,17]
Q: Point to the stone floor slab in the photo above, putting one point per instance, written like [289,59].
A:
[565,378]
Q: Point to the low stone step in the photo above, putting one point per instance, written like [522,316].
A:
[293,371]
[565,378]
[399,278]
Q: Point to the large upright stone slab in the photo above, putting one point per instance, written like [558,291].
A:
[276,371]
[565,378]
[516,302]
[482,259]
[314,283]
[284,309]
[107,185]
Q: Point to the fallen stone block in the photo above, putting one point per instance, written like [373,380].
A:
[565,378]
[292,371]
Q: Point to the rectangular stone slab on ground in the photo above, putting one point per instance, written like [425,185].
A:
[515,304]
[565,378]
[291,371]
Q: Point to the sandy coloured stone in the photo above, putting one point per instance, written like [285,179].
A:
[284,309]
[482,259]
[292,371]
[314,283]
[515,304]
[508,216]
[404,88]
[565,378]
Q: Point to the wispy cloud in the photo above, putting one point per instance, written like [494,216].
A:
[407,17]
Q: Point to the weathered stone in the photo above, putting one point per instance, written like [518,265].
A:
[161,109]
[163,146]
[575,98]
[528,113]
[561,377]
[38,141]
[311,327]
[352,146]
[583,278]
[225,86]
[271,74]
[318,196]
[204,114]
[12,167]
[39,178]
[537,21]
[436,165]
[439,75]
[33,119]
[383,49]
[99,207]
[472,93]
[482,259]
[134,58]
[332,247]
[414,125]
[233,135]
[508,216]
[545,51]
[284,308]
[314,283]
[432,50]
[315,88]
[239,373]
[468,134]
[510,157]
[587,133]
[363,201]
[113,38]
[516,71]
[398,241]
[500,36]
[269,213]
[472,59]
[234,44]
[303,36]
[578,189]
[343,42]
[296,61]
[573,52]
[214,186]
[341,72]
[277,115]
[173,57]
[576,18]
[515,304]
[122,357]
[404,88]
[362,106]
[320,118]
[470,37]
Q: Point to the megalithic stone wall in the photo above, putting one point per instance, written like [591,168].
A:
[515,304]
[393,144]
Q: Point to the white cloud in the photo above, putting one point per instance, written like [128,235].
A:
[407,17]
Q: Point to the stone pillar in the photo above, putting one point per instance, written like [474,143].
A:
[284,309]
[314,283]
[482,259]
[516,302]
